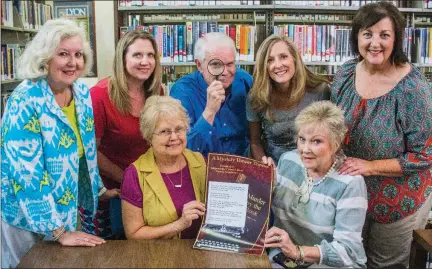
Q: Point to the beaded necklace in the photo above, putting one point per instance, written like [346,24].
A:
[306,188]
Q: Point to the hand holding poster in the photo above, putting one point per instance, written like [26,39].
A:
[238,205]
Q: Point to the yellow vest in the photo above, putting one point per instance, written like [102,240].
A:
[158,207]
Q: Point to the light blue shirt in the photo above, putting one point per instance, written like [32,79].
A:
[332,219]
[40,163]
[229,133]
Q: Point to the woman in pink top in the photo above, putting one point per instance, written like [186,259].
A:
[117,102]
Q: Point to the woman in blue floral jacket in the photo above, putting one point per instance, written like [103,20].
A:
[49,171]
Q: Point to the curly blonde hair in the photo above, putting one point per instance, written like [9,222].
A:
[34,61]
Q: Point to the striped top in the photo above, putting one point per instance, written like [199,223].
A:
[333,218]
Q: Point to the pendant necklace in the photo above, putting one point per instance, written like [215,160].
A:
[181,180]
[305,189]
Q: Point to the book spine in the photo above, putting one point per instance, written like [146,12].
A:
[318,43]
[410,40]
[238,40]
[171,43]
[323,42]
[189,41]
[164,44]
[176,43]
[430,44]
[160,40]
[195,35]
[333,41]
[202,28]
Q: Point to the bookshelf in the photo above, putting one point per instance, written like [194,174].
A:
[20,21]
[298,21]
[272,15]
[248,20]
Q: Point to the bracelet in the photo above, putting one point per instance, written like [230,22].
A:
[297,256]
[175,228]
[62,231]
[102,191]
[301,258]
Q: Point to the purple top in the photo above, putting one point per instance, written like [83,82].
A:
[131,192]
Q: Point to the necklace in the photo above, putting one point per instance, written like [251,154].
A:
[306,188]
[181,180]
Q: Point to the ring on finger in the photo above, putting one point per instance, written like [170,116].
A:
[278,238]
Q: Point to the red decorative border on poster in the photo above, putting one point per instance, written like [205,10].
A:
[238,197]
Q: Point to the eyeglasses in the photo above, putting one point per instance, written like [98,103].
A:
[219,64]
[168,132]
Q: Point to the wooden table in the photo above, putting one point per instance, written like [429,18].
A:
[137,254]
[421,245]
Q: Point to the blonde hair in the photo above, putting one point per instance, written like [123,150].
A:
[34,61]
[302,80]
[157,107]
[327,114]
[118,88]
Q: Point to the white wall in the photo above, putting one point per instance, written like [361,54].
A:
[104,27]
[104,18]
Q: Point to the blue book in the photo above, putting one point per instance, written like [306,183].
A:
[175,43]
[202,28]
[171,43]
[424,45]
[164,43]
[168,29]
[318,42]
[180,42]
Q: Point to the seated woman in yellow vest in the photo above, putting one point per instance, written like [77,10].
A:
[162,192]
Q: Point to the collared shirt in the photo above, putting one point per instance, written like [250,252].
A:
[229,133]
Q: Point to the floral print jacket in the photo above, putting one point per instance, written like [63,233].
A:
[40,164]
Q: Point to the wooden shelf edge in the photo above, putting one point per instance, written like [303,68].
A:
[179,9]
[8,81]
[18,29]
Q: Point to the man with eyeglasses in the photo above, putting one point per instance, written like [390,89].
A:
[216,105]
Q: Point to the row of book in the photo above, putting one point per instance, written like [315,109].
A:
[176,42]
[25,14]
[319,43]
[354,3]
[10,54]
[330,43]
[316,43]
[150,18]
[140,3]
[311,18]
[418,45]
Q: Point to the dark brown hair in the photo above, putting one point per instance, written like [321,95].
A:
[372,13]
